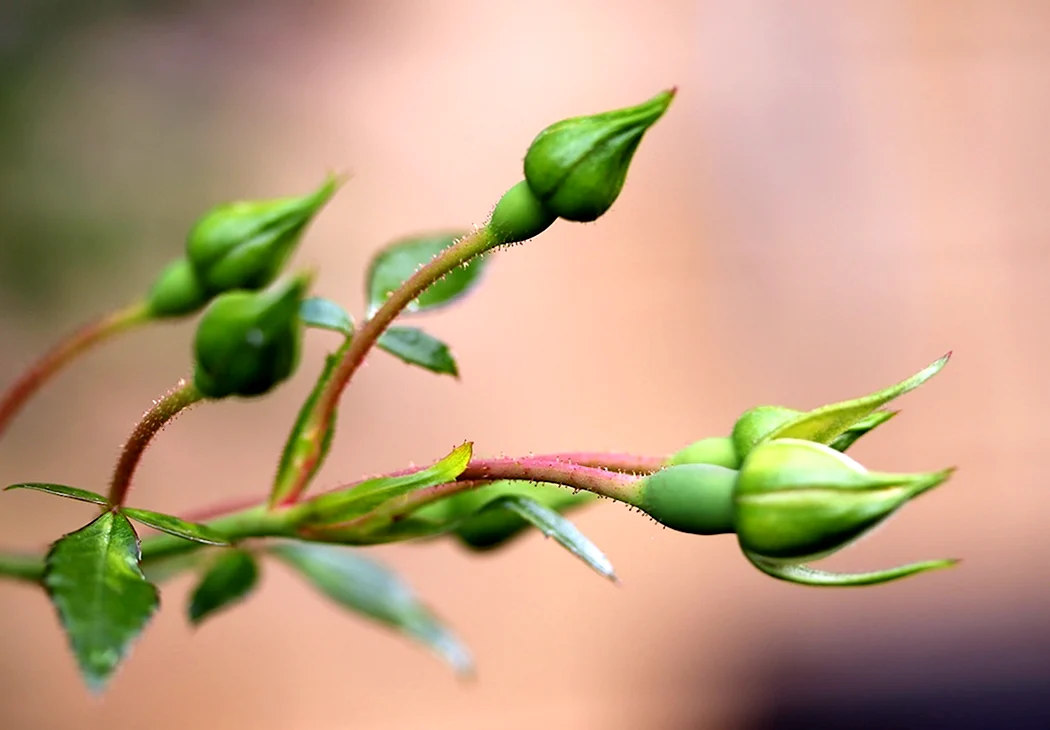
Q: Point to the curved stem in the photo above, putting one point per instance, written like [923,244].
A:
[19,392]
[626,463]
[184,395]
[257,521]
[462,251]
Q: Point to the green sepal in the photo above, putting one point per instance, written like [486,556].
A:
[415,347]
[342,506]
[809,576]
[176,526]
[228,580]
[369,588]
[861,428]
[61,490]
[103,600]
[577,167]
[392,267]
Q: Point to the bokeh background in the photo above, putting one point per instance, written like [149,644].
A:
[841,192]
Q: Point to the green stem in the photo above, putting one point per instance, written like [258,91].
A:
[258,521]
[465,249]
[19,392]
[184,395]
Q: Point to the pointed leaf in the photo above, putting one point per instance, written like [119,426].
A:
[321,313]
[228,580]
[416,347]
[552,524]
[807,576]
[395,264]
[176,526]
[304,434]
[861,428]
[342,506]
[823,425]
[481,529]
[369,588]
[61,490]
[103,600]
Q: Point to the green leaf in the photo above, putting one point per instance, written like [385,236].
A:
[807,576]
[176,526]
[552,524]
[228,580]
[304,435]
[823,425]
[337,507]
[61,490]
[160,570]
[392,266]
[482,529]
[103,600]
[321,313]
[369,588]
[416,347]
[861,428]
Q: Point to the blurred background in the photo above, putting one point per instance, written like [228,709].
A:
[840,193]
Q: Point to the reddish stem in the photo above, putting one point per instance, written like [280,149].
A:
[626,463]
[31,380]
[181,397]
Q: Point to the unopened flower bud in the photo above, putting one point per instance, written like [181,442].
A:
[718,451]
[244,245]
[797,501]
[176,292]
[248,342]
[577,167]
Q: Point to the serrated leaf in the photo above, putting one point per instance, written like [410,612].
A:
[369,588]
[482,529]
[861,428]
[321,313]
[61,490]
[808,576]
[416,347]
[553,525]
[304,435]
[337,507]
[392,266]
[102,598]
[823,425]
[229,579]
[176,526]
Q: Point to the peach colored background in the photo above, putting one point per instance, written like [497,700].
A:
[840,193]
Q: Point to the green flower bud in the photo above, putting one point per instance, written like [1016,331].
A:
[176,292]
[718,451]
[244,245]
[841,423]
[518,216]
[694,498]
[577,167]
[797,501]
[248,341]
